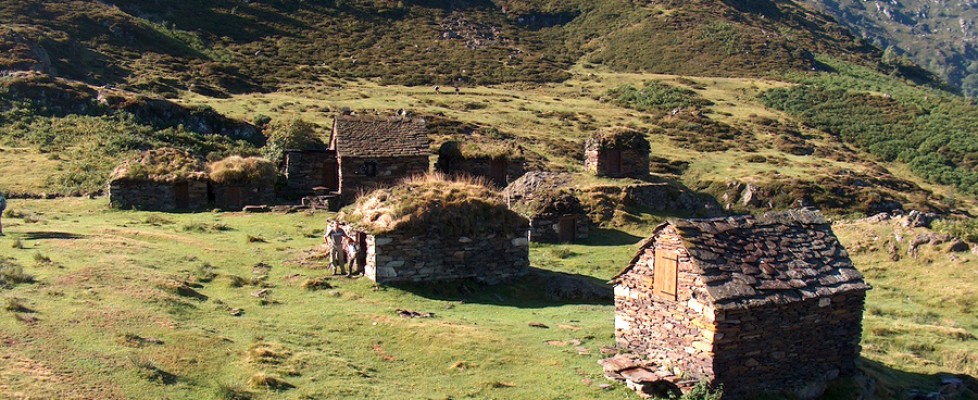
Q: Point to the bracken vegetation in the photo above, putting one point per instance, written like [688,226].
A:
[932,131]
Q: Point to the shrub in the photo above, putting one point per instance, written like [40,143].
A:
[12,273]
[966,229]
[655,96]
[702,391]
[293,134]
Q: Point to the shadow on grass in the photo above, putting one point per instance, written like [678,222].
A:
[537,289]
[892,383]
[610,237]
[45,235]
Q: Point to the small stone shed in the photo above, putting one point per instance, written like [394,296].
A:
[498,163]
[377,151]
[617,152]
[555,213]
[306,170]
[237,182]
[755,304]
[431,229]
[164,179]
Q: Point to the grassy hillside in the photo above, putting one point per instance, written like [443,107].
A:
[142,305]
[227,46]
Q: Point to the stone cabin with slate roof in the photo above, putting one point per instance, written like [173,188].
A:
[756,304]
[377,151]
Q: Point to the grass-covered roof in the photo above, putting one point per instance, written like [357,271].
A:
[435,205]
[484,148]
[236,170]
[161,165]
[619,137]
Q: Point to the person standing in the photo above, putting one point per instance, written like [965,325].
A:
[334,238]
[3,206]
[352,250]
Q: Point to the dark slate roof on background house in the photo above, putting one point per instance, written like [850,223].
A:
[377,136]
[778,257]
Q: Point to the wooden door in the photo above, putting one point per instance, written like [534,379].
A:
[331,175]
[613,161]
[567,228]
[362,253]
[182,194]
[666,274]
[497,172]
[232,198]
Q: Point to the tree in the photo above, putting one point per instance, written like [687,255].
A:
[293,134]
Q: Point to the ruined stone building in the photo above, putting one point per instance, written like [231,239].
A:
[377,151]
[617,153]
[160,180]
[237,182]
[432,229]
[498,164]
[771,302]
[555,213]
[307,170]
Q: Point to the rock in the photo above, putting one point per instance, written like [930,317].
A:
[414,314]
[538,325]
[256,209]
[917,219]
[957,246]
[237,312]
[750,197]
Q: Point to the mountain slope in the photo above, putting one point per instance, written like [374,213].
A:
[227,46]
[939,35]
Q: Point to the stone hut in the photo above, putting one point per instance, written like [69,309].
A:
[306,170]
[378,151]
[617,153]
[498,163]
[237,182]
[556,215]
[159,180]
[430,229]
[755,304]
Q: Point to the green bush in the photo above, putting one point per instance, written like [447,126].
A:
[702,391]
[655,96]
[293,134]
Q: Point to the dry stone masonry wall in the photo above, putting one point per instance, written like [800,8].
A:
[399,258]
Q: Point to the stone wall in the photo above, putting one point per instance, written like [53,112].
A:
[797,347]
[482,168]
[676,334]
[305,170]
[154,196]
[389,171]
[545,228]
[633,163]
[254,195]
[398,258]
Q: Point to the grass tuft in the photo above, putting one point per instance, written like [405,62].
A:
[262,380]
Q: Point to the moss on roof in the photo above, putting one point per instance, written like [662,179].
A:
[474,149]
[435,205]
[619,138]
[236,170]
[161,165]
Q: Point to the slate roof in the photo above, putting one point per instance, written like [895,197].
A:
[778,257]
[378,137]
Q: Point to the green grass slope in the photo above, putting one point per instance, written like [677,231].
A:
[136,305]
